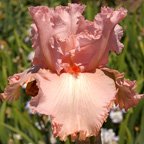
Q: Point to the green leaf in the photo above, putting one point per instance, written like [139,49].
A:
[17,131]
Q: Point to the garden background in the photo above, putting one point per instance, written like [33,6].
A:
[17,124]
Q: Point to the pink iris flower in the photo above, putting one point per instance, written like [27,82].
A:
[69,80]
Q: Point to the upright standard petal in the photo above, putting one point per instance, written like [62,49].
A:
[126,96]
[114,41]
[53,26]
[39,58]
[42,18]
[66,20]
[62,35]
[77,104]
[99,38]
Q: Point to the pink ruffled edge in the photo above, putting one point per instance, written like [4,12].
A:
[126,96]
[100,37]
[16,82]
[80,134]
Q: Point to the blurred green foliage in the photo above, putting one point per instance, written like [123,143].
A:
[15,47]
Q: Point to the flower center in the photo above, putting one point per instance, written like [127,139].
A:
[73,69]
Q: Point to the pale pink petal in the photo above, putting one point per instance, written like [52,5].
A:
[98,39]
[66,20]
[76,103]
[62,35]
[39,58]
[12,91]
[53,26]
[114,44]
[42,18]
[67,49]
[126,96]
[114,41]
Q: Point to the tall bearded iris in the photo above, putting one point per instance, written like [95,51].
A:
[69,80]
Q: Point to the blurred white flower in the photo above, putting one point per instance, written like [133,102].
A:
[108,136]
[31,56]
[27,39]
[39,125]
[27,107]
[52,139]
[17,136]
[116,116]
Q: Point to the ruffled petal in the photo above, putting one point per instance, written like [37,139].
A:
[99,38]
[77,104]
[126,96]
[114,41]
[52,27]
[66,20]
[39,58]
[114,44]
[12,91]
[42,18]
[62,35]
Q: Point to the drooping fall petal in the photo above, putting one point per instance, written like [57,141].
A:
[12,91]
[126,96]
[76,103]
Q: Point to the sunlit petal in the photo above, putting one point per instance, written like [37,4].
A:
[76,103]
[95,50]
[62,35]
[126,96]
[12,91]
